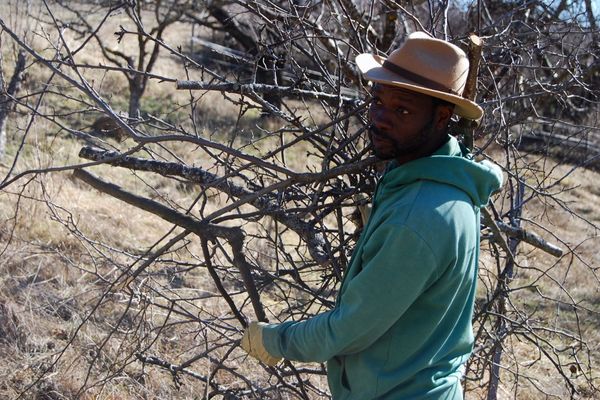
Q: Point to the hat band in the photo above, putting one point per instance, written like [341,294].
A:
[421,80]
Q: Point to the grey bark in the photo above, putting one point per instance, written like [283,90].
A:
[504,280]
[266,203]
[204,230]
[7,95]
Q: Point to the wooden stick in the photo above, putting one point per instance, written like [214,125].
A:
[474,55]
[466,126]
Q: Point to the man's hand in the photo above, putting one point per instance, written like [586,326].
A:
[253,344]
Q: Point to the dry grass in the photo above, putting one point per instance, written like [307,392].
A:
[62,243]
[557,294]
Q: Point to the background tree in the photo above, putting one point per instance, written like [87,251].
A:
[7,92]
[135,62]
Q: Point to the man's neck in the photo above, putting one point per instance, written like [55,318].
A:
[426,152]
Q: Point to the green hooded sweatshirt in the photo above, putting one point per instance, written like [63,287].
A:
[401,326]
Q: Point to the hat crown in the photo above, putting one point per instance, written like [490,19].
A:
[433,59]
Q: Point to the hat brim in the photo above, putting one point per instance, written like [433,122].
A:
[371,67]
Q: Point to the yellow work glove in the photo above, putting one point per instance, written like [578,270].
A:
[253,344]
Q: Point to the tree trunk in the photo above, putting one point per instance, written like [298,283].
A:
[136,90]
[269,66]
[6,97]
[505,278]
[590,14]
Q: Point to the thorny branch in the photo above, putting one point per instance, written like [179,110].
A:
[205,231]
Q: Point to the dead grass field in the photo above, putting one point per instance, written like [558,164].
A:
[51,279]
[549,290]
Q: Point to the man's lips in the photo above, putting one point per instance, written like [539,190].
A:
[378,135]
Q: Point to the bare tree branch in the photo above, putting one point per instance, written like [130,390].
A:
[204,230]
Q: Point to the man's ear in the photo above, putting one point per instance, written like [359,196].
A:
[443,115]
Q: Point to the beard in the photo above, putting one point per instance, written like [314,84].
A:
[400,148]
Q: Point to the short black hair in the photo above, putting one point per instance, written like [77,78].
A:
[437,102]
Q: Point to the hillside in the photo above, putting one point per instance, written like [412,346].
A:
[129,270]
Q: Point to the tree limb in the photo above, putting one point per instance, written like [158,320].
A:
[264,89]
[531,238]
[267,204]
[204,230]
[315,241]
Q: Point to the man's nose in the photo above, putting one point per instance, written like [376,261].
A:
[379,117]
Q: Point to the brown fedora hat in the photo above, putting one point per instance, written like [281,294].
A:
[425,65]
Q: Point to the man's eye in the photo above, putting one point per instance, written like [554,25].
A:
[402,110]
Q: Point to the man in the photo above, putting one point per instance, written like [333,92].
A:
[401,326]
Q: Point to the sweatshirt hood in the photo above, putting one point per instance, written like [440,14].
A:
[452,165]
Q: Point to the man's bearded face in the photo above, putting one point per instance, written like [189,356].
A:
[404,124]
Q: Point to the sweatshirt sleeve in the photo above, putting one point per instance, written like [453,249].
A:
[398,266]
